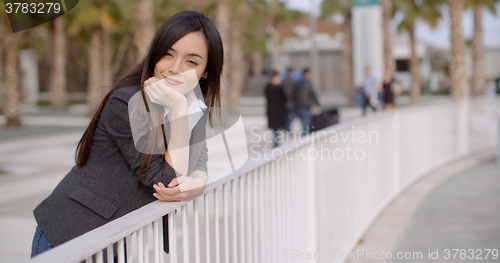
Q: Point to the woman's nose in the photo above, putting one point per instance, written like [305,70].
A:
[175,68]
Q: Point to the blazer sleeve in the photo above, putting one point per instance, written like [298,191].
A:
[117,124]
[201,165]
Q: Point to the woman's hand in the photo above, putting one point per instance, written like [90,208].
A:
[180,189]
[160,93]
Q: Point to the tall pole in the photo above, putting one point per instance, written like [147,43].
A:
[367,39]
[314,50]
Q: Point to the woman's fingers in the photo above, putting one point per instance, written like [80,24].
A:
[168,194]
[150,81]
[152,93]
[159,93]
[162,190]
[174,194]
[147,82]
[170,198]
[173,183]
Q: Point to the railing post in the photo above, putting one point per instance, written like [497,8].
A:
[463,126]
[311,213]
[397,152]
[498,141]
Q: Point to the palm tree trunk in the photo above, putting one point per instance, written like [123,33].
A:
[238,65]
[478,51]
[387,16]
[457,64]
[275,54]
[58,97]
[224,22]
[414,69]
[257,63]
[347,77]
[11,107]
[2,86]
[144,26]
[121,53]
[94,80]
[107,53]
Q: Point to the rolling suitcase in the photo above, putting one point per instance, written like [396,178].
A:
[325,119]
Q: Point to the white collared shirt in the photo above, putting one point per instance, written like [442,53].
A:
[193,110]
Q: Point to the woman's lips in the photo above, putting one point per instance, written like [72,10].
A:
[172,81]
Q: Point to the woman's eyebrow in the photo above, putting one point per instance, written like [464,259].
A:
[190,54]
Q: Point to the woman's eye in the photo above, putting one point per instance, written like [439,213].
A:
[168,54]
[193,62]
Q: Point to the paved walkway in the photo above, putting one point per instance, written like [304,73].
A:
[463,213]
[455,207]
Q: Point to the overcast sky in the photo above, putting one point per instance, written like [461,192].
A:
[439,36]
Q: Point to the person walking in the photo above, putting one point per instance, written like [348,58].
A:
[112,177]
[276,99]
[388,92]
[303,97]
[288,86]
[498,86]
[370,91]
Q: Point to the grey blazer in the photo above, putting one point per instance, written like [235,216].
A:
[105,187]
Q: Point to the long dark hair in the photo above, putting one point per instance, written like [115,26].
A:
[170,31]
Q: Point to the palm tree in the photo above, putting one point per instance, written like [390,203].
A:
[94,18]
[279,14]
[459,85]
[107,58]
[11,105]
[241,11]
[477,43]
[387,13]
[2,32]
[343,7]
[95,70]
[144,26]
[223,17]
[255,36]
[58,98]
[427,10]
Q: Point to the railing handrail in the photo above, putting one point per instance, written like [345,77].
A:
[84,246]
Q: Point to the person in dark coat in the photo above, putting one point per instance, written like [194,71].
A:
[304,96]
[388,93]
[288,86]
[498,86]
[276,99]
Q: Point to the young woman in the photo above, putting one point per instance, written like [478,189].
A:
[112,177]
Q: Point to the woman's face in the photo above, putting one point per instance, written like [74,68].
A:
[184,63]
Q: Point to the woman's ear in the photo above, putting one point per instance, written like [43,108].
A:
[204,75]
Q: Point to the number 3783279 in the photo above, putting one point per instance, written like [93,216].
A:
[470,253]
[33,8]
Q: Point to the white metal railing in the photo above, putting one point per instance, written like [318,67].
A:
[293,203]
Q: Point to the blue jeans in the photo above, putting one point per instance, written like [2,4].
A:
[40,243]
[290,116]
[367,103]
[305,117]
[276,134]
